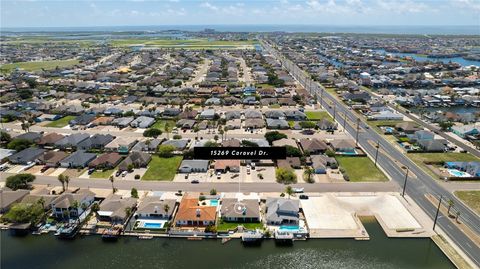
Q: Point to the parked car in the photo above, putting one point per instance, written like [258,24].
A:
[298,190]
[4,167]
[124,173]
[45,168]
[91,170]
[118,173]
[303,197]
[195,181]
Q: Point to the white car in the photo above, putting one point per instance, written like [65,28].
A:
[298,190]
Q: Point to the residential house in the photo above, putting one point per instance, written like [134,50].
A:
[193,166]
[78,159]
[244,211]
[224,166]
[9,198]
[252,114]
[153,207]
[296,115]
[277,124]
[142,122]
[472,168]
[83,119]
[121,144]
[407,127]
[71,205]
[149,145]
[185,123]
[465,131]
[71,141]
[52,158]
[313,146]
[179,144]
[136,159]
[107,160]
[113,208]
[281,211]
[232,142]
[320,163]
[33,137]
[289,162]
[343,145]
[327,125]
[433,145]
[192,213]
[171,112]
[97,141]
[208,114]
[285,142]
[122,122]
[49,140]
[254,124]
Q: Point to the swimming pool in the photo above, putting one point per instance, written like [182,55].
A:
[289,228]
[214,202]
[150,225]
[457,173]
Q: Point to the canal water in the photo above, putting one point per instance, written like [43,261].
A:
[421,58]
[90,252]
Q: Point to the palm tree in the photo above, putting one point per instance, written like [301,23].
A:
[111,180]
[450,204]
[61,178]
[457,215]
[289,191]
[221,132]
[67,180]
[307,175]
[128,212]
[95,208]
[167,129]
[147,143]
[41,201]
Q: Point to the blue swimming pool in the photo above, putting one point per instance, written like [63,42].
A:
[153,225]
[289,228]
[214,202]
[457,173]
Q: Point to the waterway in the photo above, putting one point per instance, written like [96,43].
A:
[422,58]
[46,251]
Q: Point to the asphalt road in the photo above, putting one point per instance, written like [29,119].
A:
[222,187]
[415,188]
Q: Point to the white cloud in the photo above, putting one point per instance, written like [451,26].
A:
[467,4]
[209,6]
[403,7]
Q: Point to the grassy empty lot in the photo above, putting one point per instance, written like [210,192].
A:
[102,174]
[160,124]
[470,198]
[318,115]
[443,156]
[37,66]
[360,169]
[60,122]
[162,168]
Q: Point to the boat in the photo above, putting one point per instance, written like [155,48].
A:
[68,231]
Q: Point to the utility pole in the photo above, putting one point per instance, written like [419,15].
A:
[438,210]
[376,153]
[405,183]
[358,130]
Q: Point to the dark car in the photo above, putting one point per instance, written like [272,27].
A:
[195,181]
[308,132]
[303,197]
[91,170]
[118,173]
[45,168]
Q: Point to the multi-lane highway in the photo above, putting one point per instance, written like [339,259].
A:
[417,187]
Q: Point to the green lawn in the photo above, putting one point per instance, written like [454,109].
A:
[163,169]
[443,156]
[60,122]
[160,124]
[102,174]
[225,226]
[37,66]
[471,198]
[360,169]
[318,115]
[274,106]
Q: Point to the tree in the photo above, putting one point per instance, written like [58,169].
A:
[5,137]
[25,126]
[445,125]
[112,180]
[213,192]
[95,208]
[61,178]
[289,191]
[166,151]
[152,132]
[67,181]
[285,175]
[128,211]
[293,151]
[307,124]
[24,213]
[134,193]
[457,216]
[274,135]
[450,204]
[19,181]
[166,208]
[25,94]
[167,129]
[211,144]
[19,144]
[177,136]
[308,175]
[196,130]
[130,167]
[247,143]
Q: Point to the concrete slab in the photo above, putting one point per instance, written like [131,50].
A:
[58,171]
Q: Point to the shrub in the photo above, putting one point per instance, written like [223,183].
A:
[166,151]
[285,176]
[152,132]
[20,181]
[274,135]
[177,136]
[137,176]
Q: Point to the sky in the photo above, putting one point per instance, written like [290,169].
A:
[72,13]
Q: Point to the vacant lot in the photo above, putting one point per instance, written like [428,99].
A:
[445,157]
[162,168]
[470,198]
[160,124]
[60,122]
[37,66]
[318,115]
[360,169]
